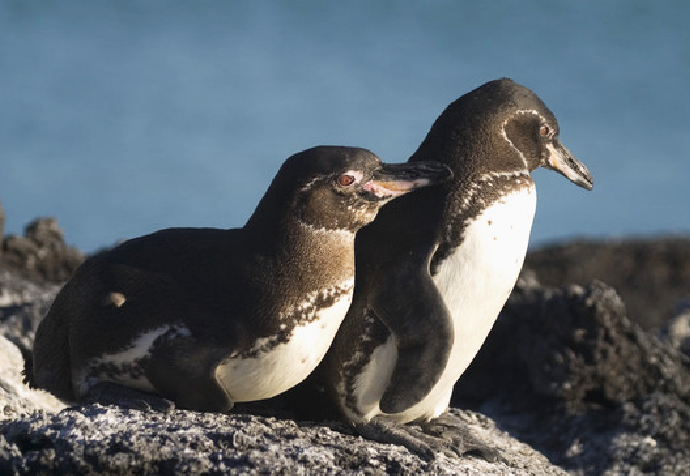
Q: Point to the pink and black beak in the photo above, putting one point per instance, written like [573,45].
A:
[393,180]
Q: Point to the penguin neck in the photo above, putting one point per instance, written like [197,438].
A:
[329,253]
[308,256]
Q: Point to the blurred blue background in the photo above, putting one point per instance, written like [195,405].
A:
[123,117]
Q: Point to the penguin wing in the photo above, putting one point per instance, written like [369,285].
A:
[409,304]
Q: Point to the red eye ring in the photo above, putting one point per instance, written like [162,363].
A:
[544,131]
[345,180]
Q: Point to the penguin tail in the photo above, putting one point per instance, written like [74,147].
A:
[51,368]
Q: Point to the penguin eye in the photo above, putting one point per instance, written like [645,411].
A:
[345,180]
[544,131]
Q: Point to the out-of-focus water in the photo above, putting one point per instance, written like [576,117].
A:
[123,117]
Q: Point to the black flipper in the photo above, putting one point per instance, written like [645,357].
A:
[409,304]
[182,369]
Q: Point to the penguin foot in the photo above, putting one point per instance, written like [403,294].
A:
[108,393]
[450,436]
[458,434]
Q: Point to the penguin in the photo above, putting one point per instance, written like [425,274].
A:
[436,266]
[202,317]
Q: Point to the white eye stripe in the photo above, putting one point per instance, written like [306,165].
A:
[505,136]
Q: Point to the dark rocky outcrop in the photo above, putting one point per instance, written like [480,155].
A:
[567,372]
[41,254]
[652,275]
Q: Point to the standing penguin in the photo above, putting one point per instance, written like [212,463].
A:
[208,317]
[436,267]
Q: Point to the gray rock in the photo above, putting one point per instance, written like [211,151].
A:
[107,440]
[23,304]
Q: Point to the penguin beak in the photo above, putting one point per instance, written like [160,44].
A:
[393,180]
[562,161]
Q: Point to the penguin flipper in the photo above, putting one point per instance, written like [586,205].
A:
[182,370]
[410,305]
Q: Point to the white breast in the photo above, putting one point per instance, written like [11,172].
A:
[475,282]
[287,364]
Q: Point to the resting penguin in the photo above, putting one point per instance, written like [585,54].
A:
[436,267]
[208,317]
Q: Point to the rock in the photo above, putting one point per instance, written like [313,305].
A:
[16,399]
[651,275]
[677,331]
[97,439]
[565,371]
[41,254]
[23,304]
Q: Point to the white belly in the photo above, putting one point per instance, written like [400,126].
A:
[287,364]
[475,282]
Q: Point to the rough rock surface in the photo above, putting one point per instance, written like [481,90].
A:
[41,254]
[652,275]
[16,399]
[95,439]
[677,331]
[23,304]
[565,371]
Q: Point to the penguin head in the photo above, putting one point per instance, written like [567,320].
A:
[353,184]
[501,126]
[531,130]
[342,188]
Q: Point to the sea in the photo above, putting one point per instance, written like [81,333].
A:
[121,117]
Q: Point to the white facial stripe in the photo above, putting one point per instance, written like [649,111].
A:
[505,136]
